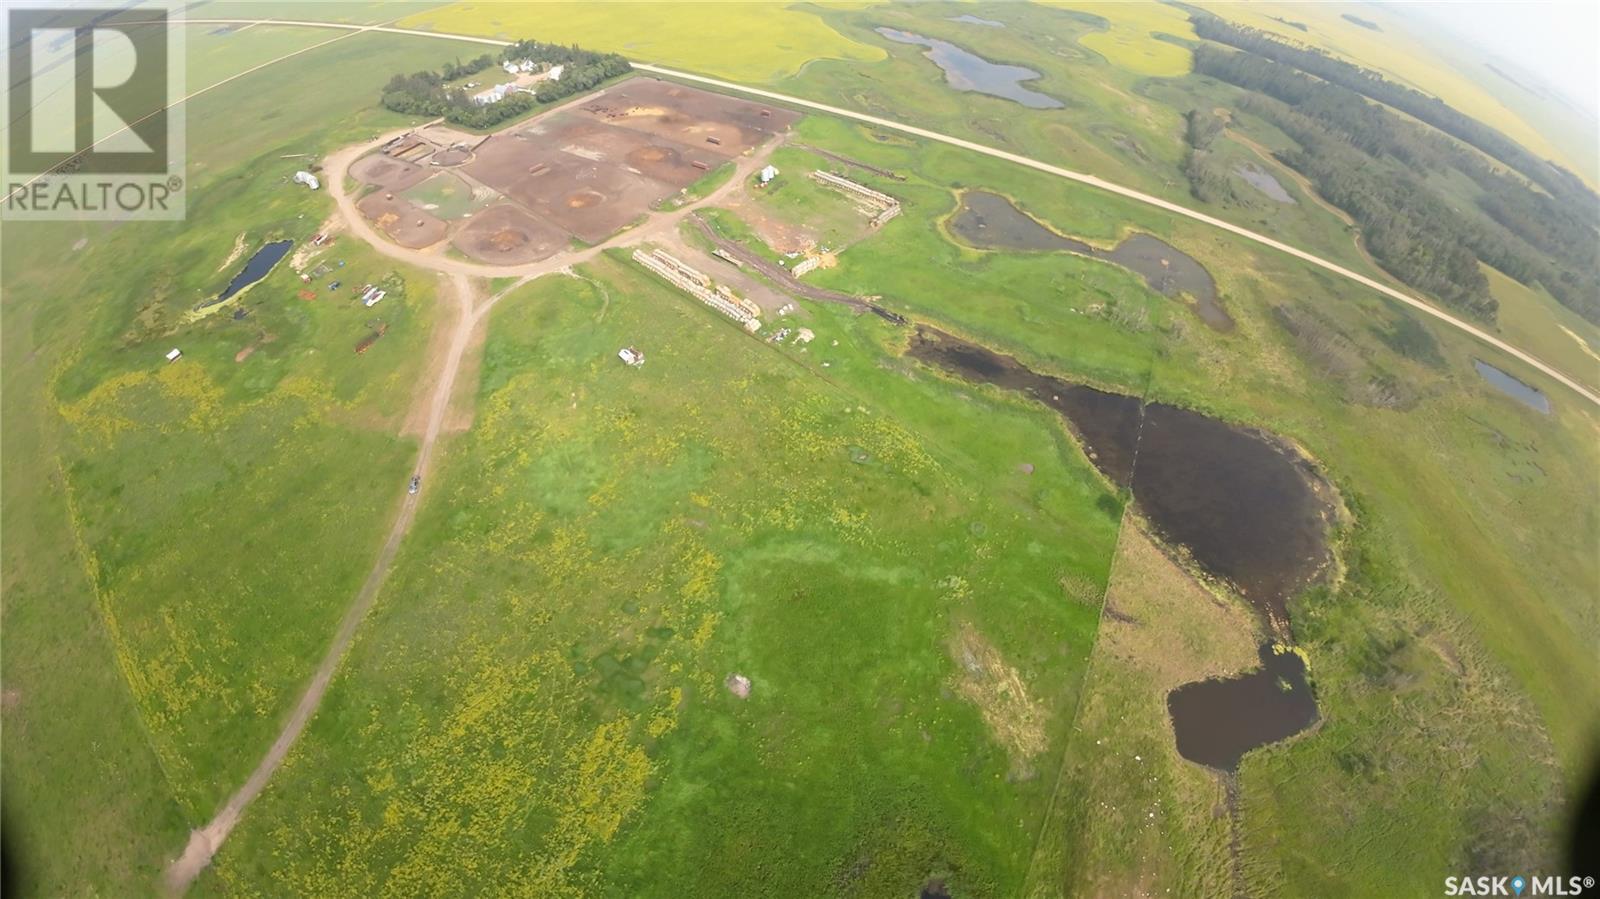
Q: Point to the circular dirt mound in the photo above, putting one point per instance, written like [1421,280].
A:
[583,199]
[379,170]
[451,157]
[507,235]
[507,239]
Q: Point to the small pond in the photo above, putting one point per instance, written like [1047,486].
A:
[1246,508]
[255,269]
[1217,721]
[1262,180]
[970,19]
[1249,510]
[1526,394]
[967,71]
[992,222]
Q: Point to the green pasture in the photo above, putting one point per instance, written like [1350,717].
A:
[539,699]
[1437,626]
[538,703]
[181,539]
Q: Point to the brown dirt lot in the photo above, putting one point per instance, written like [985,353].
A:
[402,221]
[587,171]
[589,199]
[506,235]
[662,160]
[387,174]
[689,116]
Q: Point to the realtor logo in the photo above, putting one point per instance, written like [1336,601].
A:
[93,113]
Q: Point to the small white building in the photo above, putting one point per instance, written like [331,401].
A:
[510,67]
[555,72]
[631,356]
[493,95]
[768,173]
[308,179]
[174,354]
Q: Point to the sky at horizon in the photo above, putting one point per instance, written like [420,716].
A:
[1557,40]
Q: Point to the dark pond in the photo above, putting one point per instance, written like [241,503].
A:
[1526,394]
[256,269]
[1218,721]
[970,19]
[1263,181]
[989,221]
[967,71]
[1249,510]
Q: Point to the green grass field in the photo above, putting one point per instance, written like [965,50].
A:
[182,538]
[447,196]
[538,703]
[610,544]
[1430,615]
[1130,39]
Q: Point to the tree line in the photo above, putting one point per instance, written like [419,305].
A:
[1424,239]
[1556,180]
[428,93]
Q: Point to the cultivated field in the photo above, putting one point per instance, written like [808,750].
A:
[754,41]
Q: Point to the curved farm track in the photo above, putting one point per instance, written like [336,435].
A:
[471,314]
[205,841]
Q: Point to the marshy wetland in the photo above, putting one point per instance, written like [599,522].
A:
[967,71]
[1512,386]
[1243,505]
[1263,180]
[990,221]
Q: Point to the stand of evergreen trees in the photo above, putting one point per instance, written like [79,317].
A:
[1208,181]
[426,93]
[1420,237]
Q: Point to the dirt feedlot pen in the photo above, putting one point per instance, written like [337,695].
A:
[585,171]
